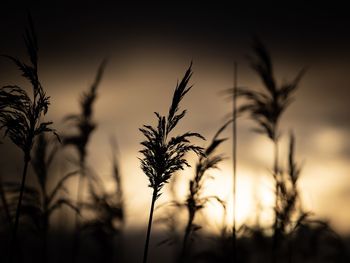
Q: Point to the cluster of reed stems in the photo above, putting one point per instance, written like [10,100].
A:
[21,113]
[195,200]
[163,156]
[265,108]
[85,126]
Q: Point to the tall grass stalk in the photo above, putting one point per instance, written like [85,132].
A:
[195,201]
[266,109]
[288,207]
[163,156]
[21,115]
[234,158]
[289,190]
[85,125]
[109,216]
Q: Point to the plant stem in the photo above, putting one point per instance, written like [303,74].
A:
[5,204]
[18,210]
[45,231]
[234,160]
[187,235]
[80,191]
[145,254]
[275,227]
[19,204]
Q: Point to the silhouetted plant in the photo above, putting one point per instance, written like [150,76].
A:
[288,189]
[41,162]
[109,216]
[163,156]
[234,159]
[195,201]
[20,115]
[266,109]
[85,125]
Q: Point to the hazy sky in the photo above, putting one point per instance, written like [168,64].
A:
[150,46]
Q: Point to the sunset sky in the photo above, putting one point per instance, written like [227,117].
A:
[149,47]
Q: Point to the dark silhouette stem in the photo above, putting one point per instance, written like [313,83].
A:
[80,192]
[186,236]
[19,205]
[234,160]
[275,227]
[45,230]
[145,254]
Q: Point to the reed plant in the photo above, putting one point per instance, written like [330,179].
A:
[195,200]
[108,220]
[289,193]
[164,155]
[234,158]
[21,113]
[85,125]
[265,108]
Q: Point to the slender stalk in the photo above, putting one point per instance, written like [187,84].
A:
[187,235]
[275,226]
[19,204]
[234,159]
[195,201]
[21,118]
[266,109]
[145,253]
[80,191]
[18,210]
[46,223]
[45,237]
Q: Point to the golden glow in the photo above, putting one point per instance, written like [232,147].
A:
[134,88]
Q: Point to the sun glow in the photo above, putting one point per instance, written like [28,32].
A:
[254,200]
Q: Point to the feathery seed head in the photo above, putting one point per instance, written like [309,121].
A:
[163,156]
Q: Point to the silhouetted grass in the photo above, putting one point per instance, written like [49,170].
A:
[109,215]
[296,238]
[266,109]
[163,156]
[234,158]
[195,200]
[21,114]
[289,193]
[5,206]
[85,125]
